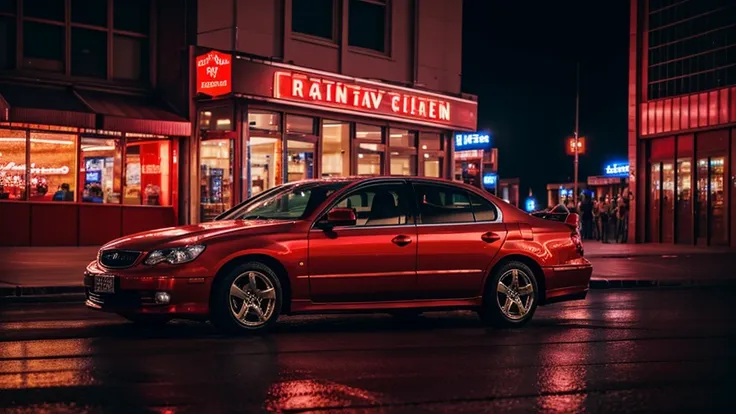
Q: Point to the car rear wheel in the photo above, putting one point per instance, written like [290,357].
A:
[247,299]
[511,296]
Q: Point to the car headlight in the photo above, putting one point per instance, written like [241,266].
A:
[177,255]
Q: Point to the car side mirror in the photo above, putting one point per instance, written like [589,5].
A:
[339,216]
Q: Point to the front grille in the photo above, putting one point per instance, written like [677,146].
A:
[125,299]
[118,259]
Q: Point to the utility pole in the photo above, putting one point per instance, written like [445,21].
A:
[577,125]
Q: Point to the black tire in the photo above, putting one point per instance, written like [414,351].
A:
[146,320]
[220,304]
[492,313]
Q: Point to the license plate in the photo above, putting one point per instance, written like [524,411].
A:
[104,284]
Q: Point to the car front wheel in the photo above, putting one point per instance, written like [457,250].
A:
[247,299]
[511,296]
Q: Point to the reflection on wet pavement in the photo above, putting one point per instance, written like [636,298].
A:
[619,351]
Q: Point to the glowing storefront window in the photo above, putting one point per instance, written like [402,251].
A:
[335,148]
[53,167]
[12,164]
[101,170]
[148,173]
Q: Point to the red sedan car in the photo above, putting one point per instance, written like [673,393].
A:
[390,244]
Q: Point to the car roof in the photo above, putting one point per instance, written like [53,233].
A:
[368,178]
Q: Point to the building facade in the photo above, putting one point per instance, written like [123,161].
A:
[118,116]
[94,104]
[682,114]
[301,89]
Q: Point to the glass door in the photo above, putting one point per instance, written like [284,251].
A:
[655,202]
[335,149]
[264,163]
[668,203]
[300,160]
[684,209]
[717,229]
[216,177]
[701,206]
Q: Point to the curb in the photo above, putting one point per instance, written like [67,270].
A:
[649,283]
[662,255]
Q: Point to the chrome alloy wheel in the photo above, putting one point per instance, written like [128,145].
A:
[252,298]
[515,294]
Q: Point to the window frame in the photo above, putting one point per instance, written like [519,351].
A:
[350,190]
[456,188]
[147,57]
[387,42]
[335,28]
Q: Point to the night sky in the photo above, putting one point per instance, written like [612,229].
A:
[519,58]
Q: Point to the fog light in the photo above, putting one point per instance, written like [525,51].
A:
[162,298]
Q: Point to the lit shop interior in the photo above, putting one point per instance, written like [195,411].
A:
[67,167]
[282,147]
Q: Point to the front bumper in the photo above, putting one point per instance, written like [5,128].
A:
[136,294]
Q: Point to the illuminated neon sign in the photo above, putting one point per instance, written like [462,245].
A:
[618,170]
[214,73]
[370,98]
[490,180]
[474,141]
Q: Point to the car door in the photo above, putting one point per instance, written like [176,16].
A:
[373,260]
[459,233]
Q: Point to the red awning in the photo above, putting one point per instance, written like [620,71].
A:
[134,113]
[50,105]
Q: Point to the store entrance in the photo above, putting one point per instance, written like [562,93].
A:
[662,202]
[263,163]
[710,208]
[216,177]
[300,159]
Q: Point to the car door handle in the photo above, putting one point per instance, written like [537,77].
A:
[490,237]
[401,240]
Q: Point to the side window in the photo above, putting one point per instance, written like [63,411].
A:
[443,204]
[379,205]
[483,210]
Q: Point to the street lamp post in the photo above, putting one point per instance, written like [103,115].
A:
[577,124]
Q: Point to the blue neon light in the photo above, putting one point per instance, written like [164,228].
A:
[531,204]
[617,170]
[474,141]
[490,180]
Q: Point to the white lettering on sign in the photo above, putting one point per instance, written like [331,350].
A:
[11,166]
[464,140]
[213,84]
[204,61]
[617,169]
[151,169]
[370,98]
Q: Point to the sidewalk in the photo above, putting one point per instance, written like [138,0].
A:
[595,249]
[30,271]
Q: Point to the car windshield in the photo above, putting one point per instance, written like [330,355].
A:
[288,202]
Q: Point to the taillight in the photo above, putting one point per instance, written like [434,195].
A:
[578,242]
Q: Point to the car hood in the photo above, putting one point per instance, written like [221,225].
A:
[196,233]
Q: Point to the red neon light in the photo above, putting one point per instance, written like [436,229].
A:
[214,73]
[370,99]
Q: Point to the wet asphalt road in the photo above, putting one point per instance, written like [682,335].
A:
[648,350]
